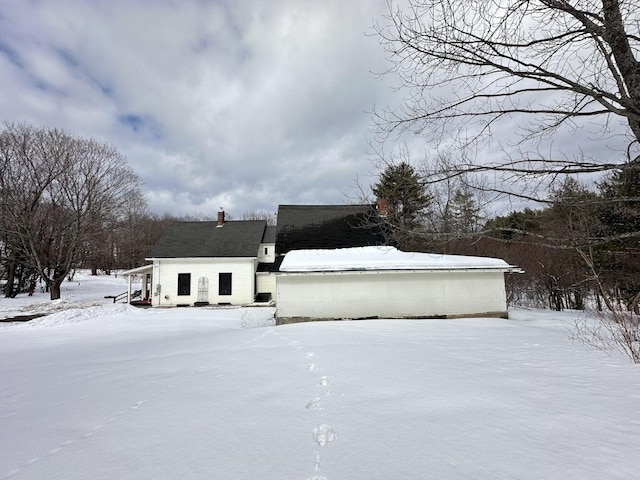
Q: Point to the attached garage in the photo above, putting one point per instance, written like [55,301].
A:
[383,282]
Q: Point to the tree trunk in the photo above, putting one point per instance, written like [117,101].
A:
[11,275]
[626,62]
[54,288]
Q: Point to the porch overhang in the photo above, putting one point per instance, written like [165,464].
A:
[139,270]
[144,270]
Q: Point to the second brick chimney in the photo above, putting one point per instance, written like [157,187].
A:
[383,207]
[220,218]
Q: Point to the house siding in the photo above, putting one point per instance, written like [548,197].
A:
[395,294]
[166,273]
[270,255]
[266,283]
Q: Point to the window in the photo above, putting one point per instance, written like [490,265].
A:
[224,284]
[184,284]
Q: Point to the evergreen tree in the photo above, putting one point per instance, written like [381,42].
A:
[465,212]
[572,216]
[407,200]
[515,225]
[619,255]
[621,194]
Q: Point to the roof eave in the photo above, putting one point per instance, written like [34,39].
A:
[508,269]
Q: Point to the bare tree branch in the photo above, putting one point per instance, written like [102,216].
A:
[540,64]
[55,190]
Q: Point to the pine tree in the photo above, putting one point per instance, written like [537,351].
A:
[619,257]
[621,210]
[465,212]
[408,200]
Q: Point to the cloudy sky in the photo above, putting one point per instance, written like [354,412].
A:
[224,103]
[215,103]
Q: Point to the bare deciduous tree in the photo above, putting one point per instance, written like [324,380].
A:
[473,66]
[260,215]
[57,189]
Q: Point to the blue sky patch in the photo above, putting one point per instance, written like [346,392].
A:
[11,54]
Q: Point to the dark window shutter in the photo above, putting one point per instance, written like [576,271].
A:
[224,284]
[184,284]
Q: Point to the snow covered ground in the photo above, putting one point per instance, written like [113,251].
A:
[103,391]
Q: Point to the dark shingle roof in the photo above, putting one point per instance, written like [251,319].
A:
[269,235]
[270,267]
[327,227]
[206,239]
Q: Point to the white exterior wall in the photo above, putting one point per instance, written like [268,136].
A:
[397,294]
[266,283]
[267,253]
[165,274]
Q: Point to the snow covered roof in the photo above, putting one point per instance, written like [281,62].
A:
[384,258]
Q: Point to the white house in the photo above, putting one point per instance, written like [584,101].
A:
[202,263]
[320,262]
[233,262]
[383,282]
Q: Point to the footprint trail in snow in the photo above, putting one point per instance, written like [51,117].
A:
[323,433]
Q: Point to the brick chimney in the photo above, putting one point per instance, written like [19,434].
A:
[220,218]
[383,207]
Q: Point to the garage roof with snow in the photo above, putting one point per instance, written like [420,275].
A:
[384,258]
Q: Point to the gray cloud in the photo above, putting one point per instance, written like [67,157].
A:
[241,104]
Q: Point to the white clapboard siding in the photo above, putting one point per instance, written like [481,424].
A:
[266,283]
[165,274]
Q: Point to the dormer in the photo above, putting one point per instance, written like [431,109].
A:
[267,250]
